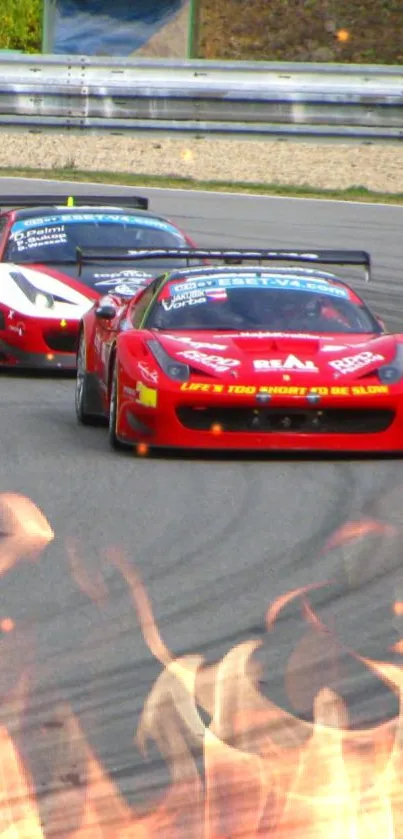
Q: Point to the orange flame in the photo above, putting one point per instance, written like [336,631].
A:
[26,530]
[19,815]
[352,530]
[265,773]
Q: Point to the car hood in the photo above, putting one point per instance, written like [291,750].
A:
[280,357]
[97,279]
[36,294]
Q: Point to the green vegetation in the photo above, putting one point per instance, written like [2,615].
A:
[354,193]
[347,31]
[21,25]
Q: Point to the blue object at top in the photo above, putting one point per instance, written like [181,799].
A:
[109,27]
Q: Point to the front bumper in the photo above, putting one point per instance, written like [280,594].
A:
[38,343]
[12,357]
[367,423]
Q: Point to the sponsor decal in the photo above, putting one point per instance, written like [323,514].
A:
[111,276]
[318,286]
[265,365]
[197,345]
[124,283]
[216,362]
[287,390]
[200,387]
[146,396]
[127,289]
[19,329]
[148,373]
[97,218]
[351,363]
[270,335]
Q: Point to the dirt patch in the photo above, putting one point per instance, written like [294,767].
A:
[356,31]
[377,167]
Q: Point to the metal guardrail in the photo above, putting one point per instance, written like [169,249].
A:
[83,94]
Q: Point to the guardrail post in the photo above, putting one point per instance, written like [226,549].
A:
[194,28]
[48,25]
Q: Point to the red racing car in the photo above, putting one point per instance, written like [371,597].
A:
[44,288]
[243,357]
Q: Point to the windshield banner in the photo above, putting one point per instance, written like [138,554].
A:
[153,28]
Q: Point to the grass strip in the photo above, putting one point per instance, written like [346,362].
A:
[354,193]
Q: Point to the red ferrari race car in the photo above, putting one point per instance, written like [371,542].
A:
[44,290]
[243,357]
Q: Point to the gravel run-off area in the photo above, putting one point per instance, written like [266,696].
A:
[328,166]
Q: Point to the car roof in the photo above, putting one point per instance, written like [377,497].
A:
[32,212]
[204,272]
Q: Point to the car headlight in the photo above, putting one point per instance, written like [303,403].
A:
[391,373]
[44,299]
[175,370]
[35,295]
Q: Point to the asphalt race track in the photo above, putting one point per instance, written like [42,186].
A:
[215,540]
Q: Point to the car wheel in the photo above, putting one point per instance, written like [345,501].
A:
[113,411]
[82,396]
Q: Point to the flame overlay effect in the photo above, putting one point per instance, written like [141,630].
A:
[266,773]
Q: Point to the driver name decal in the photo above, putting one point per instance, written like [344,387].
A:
[265,365]
[49,235]
[182,301]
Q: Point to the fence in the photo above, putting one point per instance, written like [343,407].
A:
[82,94]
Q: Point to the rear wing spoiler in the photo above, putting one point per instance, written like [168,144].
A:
[53,200]
[229,256]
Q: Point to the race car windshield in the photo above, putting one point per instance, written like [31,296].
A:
[247,304]
[54,239]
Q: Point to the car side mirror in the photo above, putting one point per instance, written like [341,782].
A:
[381,323]
[106,312]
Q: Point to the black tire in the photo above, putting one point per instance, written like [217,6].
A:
[113,406]
[82,394]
